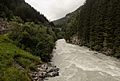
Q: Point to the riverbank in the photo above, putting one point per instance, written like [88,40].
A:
[17,64]
[44,71]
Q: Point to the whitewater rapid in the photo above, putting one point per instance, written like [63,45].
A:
[80,64]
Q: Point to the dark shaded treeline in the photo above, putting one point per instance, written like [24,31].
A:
[10,8]
[97,26]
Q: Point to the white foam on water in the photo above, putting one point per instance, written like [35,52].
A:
[67,55]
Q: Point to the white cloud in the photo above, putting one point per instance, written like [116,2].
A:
[55,9]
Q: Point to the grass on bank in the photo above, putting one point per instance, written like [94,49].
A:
[15,63]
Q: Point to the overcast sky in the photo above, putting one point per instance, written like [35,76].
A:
[55,9]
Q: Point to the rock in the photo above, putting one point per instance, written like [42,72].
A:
[53,74]
[39,69]
[35,78]
[52,69]
[40,79]
[34,74]
[43,71]
[44,66]
[95,53]
[42,75]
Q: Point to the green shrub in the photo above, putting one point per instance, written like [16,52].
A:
[37,39]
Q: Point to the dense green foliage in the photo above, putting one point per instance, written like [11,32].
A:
[100,26]
[35,38]
[14,62]
[24,47]
[59,31]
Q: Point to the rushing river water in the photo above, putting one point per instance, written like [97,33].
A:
[79,64]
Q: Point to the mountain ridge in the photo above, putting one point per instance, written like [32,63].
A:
[21,9]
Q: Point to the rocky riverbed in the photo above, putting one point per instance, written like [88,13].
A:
[43,71]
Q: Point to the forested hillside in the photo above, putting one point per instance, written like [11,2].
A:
[66,24]
[10,8]
[97,26]
[26,40]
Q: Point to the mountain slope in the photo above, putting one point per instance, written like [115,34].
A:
[67,18]
[68,24]
[97,26]
[10,8]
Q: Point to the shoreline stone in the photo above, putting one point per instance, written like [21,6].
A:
[43,71]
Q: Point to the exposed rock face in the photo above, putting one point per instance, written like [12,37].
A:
[75,40]
[44,71]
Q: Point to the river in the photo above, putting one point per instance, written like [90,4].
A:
[80,64]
